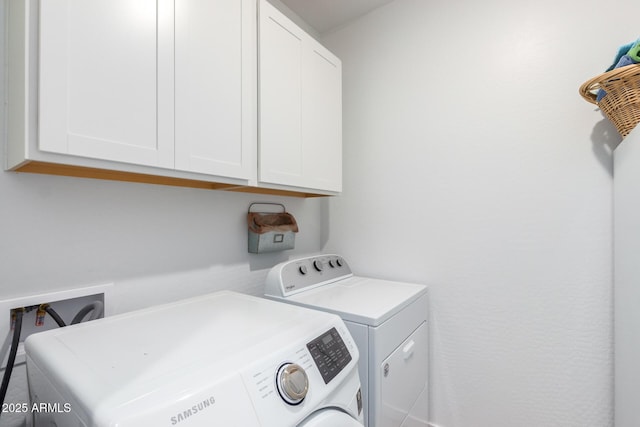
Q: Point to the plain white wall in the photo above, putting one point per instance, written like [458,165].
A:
[626,272]
[473,165]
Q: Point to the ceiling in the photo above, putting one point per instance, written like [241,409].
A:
[325,15]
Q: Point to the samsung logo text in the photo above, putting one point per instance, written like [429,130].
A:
[195,409]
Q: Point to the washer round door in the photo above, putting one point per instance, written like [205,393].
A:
[330,418]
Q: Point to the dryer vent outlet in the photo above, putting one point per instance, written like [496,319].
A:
[66,304]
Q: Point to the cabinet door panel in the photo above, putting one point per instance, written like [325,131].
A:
[322,131]
[210,85]
[99,79]
[300,140]
[280,92]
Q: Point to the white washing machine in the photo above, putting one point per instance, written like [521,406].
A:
[223,359]
[388,321]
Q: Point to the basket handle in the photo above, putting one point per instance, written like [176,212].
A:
[592,85]
[267,203]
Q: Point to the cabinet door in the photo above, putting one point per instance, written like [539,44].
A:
[280,142]
[215,85]
[322,118]
[300,107]
[106,79]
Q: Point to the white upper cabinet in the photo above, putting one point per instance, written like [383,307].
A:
[300,107]
[106,79]
[166,91]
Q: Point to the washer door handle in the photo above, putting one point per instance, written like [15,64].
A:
[407,350]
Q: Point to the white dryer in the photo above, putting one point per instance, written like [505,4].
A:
[388,321]
[223,359]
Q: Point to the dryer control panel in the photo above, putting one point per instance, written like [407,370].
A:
[299,275]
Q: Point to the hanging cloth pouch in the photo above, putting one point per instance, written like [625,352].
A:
[271,231]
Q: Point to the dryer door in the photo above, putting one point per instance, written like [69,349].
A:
[330,418]
[403,378]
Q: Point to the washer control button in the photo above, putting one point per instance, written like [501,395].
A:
[303,269]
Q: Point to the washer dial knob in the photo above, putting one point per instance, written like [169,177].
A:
[292,383]
[317,265]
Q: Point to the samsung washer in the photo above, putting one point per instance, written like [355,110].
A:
[223,359]
[388,321]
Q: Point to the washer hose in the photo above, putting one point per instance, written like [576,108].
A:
[96,307]
[12,356]
[54,314]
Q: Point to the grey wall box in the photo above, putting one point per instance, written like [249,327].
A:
[271,231]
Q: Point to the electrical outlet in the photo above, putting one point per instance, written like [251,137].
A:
[66,303]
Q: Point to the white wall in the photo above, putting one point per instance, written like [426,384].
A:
[626,271]
[473,165]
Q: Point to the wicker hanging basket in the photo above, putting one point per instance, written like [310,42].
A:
[621,104]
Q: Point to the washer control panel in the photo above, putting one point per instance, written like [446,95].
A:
[302,274]
[330,354]
[305,374]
